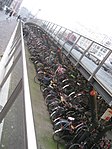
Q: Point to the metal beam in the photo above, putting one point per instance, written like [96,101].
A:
[57,32]
[31,136]
[100,65]
[84,53]
[93,106]
[14,45]
[11,100]
[62,35]
[54,29]
[51,28]
[17,46]
[10,70]
[73,45]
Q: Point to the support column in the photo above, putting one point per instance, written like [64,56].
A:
[93,106]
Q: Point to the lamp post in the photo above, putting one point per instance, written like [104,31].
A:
[37,13]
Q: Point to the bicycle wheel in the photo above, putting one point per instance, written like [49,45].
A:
[57,135]
[36,79]
[31,60]
[75,146]
[39,77]
[45,91]
[42,86]
[60,145]
[49,98]
[64,141]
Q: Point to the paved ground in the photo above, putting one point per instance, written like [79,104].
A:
[13,134]
[6,30]
[42,121]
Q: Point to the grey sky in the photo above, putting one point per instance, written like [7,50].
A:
[93,14]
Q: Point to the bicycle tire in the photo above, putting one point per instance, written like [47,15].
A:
[64,141]
[45,91]
[30,60]
[42,86]
[36,79]
[60,144]
[75,146]
[56,137]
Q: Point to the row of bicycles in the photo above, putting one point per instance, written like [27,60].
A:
[76,110]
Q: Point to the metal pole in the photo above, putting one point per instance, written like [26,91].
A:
[31,135]
[10,70]
[100,65]
[45,23]
[13,53]
[73,45]
[11,100]
[83,53]
[14,45]
[62,35]
[49,26]
[66,41]
[57,32]
[93,106]
[37,13]
[54,29]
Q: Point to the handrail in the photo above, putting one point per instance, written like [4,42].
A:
[72,31]
[31,137]
[8,62]
[3,69]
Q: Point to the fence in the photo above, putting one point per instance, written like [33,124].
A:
[7,64]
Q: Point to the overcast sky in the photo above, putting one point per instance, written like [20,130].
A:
[93,14]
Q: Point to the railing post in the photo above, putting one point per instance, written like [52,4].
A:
[83,54]
[11,100]
[31,136]
[100,65]
[54,29]
[51,28]
[93,106]
[8,63]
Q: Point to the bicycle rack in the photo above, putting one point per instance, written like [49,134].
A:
[92,98]
[93,76]
[7,64]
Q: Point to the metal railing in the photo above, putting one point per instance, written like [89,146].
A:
[87,55]
[7,64]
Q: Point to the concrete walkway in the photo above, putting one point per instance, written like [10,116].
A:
[6,30]
[13,128]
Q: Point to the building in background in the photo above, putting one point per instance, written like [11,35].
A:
[6,3]
[25,14]
[15,5]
